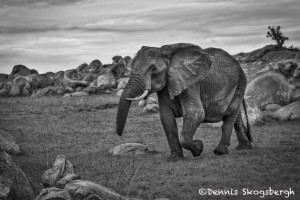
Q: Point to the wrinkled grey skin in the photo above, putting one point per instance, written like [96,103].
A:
[199,85]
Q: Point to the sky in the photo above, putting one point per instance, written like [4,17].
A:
[54,35]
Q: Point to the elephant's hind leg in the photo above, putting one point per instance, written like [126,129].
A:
[240,129]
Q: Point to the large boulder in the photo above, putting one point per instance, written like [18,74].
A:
[3,79]
[289,112]
[14,183]
[253,112]
[268,88]
[6,88]
[106,81]
[21,86]
[71,74]
[21,70]
[93,67]
[8,143]
[81,67]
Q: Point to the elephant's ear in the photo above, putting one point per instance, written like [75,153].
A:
[187,64]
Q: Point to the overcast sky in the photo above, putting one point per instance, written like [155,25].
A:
[53,35]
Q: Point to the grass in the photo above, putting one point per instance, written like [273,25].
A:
[83,129]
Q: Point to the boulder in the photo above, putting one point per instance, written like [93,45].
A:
[53,194]
[273,107]
[121,85]
[8,143]
[21,86]
[106,81]
[289,112]
[19,70]
[268,88]
[71,74]
[79,94]
[3,78]
[119,93]
[296,75]
[93,67]
[142,103]
[81,67]
[116,59]
[61,168]
[14,183]
[151,108]
[151,100]
[6,88]
[129,148]
[254,114]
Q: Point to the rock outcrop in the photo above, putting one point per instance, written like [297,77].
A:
[268,88]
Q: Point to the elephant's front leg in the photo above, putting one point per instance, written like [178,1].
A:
[193,115]
[169,124]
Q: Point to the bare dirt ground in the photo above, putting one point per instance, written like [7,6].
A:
[83,129]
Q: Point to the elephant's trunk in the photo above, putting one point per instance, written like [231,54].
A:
[134,87]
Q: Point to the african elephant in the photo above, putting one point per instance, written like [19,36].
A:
[200,85]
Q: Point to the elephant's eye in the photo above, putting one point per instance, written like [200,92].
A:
[153,68]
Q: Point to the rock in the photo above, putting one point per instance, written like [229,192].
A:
[142,103]
[21,86]
[61,168]
[121,85]
[19,70]
[254,114]
[289,112]
[106,81]
[89,78]
[71,74]
[80,189]
[296,98]
[81,67]
[79,94]
[6,88]
[53,194]
[116,59]
[74,83]
[3,78]
[14,183]
[151,100]
[152,108]
[119,93]
[93,67]
[273,107]
[268,88]
[128,148]
[296,75]
[8,143]
[69,177]
[66,96]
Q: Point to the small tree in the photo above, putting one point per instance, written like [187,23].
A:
[276,34]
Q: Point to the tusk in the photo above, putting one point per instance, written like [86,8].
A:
[140,97]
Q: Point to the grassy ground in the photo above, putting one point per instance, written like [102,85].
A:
[83,129]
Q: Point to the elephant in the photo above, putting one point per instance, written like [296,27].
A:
[200,85]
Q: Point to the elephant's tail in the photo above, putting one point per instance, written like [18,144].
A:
[248,132]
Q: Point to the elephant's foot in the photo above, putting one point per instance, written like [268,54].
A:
[196,147]
[175,157]
[242,146]
[221,149]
